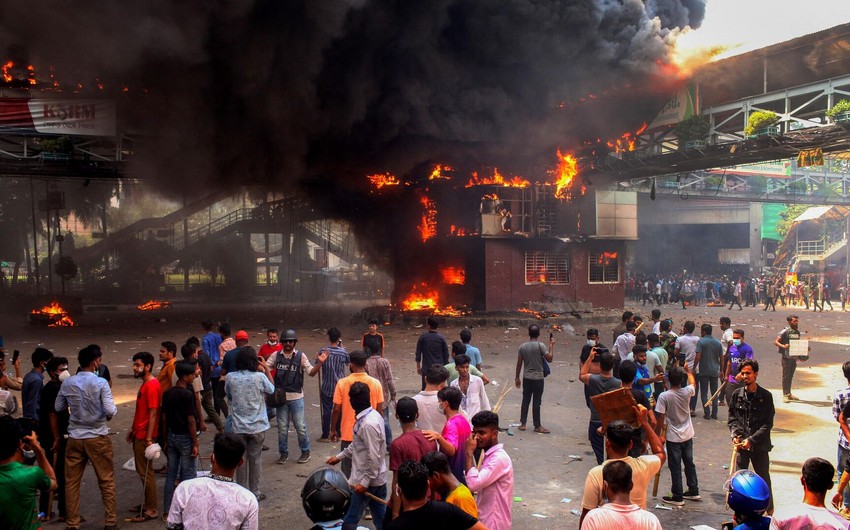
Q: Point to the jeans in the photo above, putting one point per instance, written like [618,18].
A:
[388,432]
[706,382]
[248,474]
[78,453]
[294,409]
[219,399]
[842,455]
[597,441]
[677,452]
[209,407]
[181,465]
[57,460]
[327,408]
[761,467]
[531,388]
[789,366]
[358,506]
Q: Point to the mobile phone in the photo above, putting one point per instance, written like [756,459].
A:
[15,355]
[1,341]
[551,336]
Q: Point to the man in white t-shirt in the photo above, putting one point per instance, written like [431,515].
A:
[673,408]
[686,354]
[811,513]
[431,418]
[216,502]
[619,512]
[618,442]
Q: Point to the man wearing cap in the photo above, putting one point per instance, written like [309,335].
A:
[228,362]
[289,365]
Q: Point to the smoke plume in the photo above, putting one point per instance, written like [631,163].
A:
[325,91]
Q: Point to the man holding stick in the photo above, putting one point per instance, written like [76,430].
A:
[709,353]
[751,414]
[738,352]
[368,477]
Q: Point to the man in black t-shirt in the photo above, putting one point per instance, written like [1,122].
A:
[592,342]
[180,425]
[421,513]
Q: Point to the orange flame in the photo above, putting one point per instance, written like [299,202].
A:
[58,316]
[7,77]
[457,232]
[428,223]
[424,298]
[152,305]
[539,315]
[453,275]
[379,180]
[564,174]
[606,257]
[437,174]
[498,180]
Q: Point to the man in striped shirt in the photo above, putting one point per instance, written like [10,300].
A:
[332,360]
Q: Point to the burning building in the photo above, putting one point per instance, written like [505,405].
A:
[493,242]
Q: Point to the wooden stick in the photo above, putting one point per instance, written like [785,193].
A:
[658,475]
[731,469]
[712,398]
[376,498]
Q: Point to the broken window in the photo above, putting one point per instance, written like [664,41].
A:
[546,267]
[603,267]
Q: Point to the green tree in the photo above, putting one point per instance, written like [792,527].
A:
[791,212]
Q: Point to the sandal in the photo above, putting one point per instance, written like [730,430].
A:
[522,427]
[144,517]
[541,430]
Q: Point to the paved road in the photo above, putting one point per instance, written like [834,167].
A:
[545,473]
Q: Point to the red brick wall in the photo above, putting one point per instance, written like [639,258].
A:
[504,276]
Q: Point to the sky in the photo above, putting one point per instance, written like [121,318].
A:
[731,22]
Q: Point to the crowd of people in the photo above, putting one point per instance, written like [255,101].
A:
[665,371]
[766,290]
[446,464]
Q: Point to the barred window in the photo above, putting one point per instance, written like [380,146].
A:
[603,267]
[546,267]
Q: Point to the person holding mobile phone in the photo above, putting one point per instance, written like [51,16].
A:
[6,381]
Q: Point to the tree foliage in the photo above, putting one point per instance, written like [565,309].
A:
[791,212]
[759,120]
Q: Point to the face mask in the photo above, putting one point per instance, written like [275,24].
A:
[591,343]
[272,343]
[28,454]
[736,342]
[65,374]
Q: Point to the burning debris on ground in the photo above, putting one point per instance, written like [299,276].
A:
[52,315]
[153,305]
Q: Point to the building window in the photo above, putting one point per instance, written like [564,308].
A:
[546,267]
[603,267]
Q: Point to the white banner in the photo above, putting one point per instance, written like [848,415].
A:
[85,117]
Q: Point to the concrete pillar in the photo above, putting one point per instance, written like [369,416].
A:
[756,250]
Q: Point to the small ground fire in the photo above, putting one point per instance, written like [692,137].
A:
[152,305]
[54,315]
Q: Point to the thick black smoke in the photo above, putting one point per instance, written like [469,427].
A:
[285,92]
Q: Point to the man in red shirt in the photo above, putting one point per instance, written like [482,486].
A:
[411,444]
[272,346]
[144,431]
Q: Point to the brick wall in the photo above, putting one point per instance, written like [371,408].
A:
[504,275]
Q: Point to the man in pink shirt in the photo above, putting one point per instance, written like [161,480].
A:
[455,433]
[619,512]
[493,480]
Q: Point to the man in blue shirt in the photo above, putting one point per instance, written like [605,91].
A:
[210,343]
[472,352]
[91,405]
[34,383]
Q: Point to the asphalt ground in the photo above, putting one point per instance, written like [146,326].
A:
[548,480]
